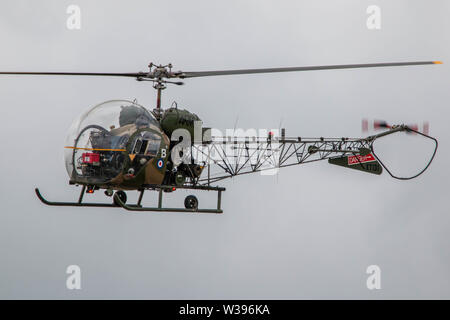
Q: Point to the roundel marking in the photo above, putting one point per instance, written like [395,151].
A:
[160,163]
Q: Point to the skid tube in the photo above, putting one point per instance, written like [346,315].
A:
[138,206]
[79,203]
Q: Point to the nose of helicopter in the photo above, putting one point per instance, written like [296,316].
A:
[97,140]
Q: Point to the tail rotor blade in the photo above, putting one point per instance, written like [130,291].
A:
[381,124]
[365,125]
[426,128]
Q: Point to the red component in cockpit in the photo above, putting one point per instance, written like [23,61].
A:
[92,158]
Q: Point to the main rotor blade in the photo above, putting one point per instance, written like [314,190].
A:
[132,75]
[157,74]
[270,70]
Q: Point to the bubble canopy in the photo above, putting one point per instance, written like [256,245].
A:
[100,136]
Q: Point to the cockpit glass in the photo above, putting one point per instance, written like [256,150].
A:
[97,140]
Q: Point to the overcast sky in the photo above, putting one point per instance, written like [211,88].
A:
[309,232]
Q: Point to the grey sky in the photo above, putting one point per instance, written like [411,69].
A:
[309,232]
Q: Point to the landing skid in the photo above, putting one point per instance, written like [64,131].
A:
[74,204]
[137,206]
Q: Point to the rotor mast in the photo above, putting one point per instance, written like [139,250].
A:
[156,74]
[158,86]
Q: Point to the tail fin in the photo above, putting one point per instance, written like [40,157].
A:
[364,161]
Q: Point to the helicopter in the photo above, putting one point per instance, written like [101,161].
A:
[120,146]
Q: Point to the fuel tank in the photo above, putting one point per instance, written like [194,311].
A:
[174,118]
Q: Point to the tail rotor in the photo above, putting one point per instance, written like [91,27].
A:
[376,125]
